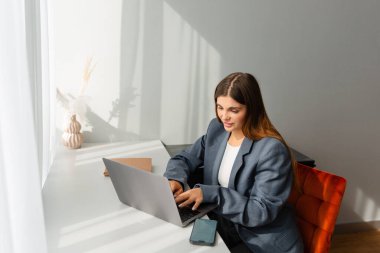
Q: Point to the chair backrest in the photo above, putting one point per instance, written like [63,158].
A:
[317,204]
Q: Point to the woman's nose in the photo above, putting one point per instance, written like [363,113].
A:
[225,116]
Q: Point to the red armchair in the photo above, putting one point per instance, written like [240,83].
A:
[317,206]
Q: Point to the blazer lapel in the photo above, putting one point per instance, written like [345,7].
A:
[219,157]
[245,148]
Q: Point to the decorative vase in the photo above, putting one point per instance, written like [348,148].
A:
[72,137]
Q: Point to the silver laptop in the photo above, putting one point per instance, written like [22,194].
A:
[150,193]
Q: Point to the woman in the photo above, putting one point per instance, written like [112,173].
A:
[247,170]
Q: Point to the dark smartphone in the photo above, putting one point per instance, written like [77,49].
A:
[203,232]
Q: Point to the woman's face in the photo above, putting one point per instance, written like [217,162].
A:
[231,113]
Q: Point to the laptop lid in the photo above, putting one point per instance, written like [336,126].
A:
[147,192]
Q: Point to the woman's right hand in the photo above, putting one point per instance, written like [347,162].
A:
[176,187]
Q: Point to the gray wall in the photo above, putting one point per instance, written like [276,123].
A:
[158,62]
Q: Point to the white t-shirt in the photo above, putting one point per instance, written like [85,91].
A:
[226,165]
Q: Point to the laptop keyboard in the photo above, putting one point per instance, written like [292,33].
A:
[187,213]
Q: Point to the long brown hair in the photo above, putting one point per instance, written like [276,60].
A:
[244,88]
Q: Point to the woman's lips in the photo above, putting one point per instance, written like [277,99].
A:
[228,125]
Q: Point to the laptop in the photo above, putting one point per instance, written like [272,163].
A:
[151,194]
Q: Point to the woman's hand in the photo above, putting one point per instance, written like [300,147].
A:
[194,195]
[176,187]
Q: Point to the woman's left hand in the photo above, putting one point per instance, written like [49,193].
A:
[186,198]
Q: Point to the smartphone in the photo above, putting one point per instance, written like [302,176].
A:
[203,232]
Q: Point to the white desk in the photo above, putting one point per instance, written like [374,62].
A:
[83,213]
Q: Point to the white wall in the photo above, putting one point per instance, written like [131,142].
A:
[158,62]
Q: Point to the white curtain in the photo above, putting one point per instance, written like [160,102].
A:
[22,87]
[40,55]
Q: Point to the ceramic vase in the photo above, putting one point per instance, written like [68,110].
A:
[72,137]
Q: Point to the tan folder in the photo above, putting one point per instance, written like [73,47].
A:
[139,163]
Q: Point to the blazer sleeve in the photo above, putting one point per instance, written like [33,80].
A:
[270,189]
[185,163]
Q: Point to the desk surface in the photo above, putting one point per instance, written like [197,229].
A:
[83,213]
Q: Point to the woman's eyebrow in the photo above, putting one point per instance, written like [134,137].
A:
[232,107]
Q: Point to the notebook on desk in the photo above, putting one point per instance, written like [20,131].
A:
[138,163]
[150,193]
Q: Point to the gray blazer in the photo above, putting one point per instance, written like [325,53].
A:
[258,188]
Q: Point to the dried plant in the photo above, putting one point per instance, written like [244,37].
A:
[87,71]
[78,105]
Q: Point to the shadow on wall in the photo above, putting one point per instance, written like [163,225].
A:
[129,36]
[141,52]
[358,225]
[135,114]
[145,47]
[102,131]
[119,107]
[172,65]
